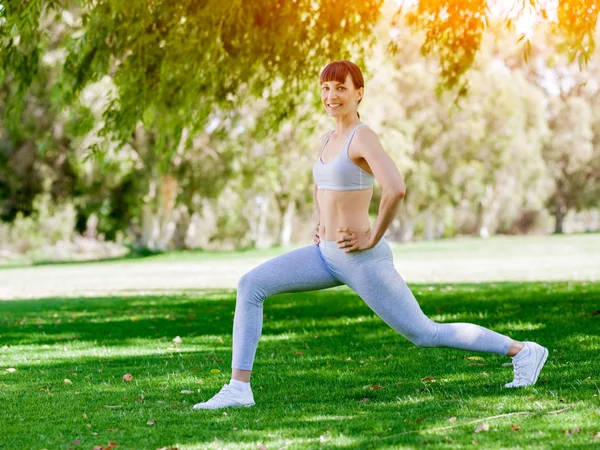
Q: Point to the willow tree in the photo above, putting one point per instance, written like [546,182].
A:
[172,62]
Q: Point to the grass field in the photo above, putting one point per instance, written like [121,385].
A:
[328,374]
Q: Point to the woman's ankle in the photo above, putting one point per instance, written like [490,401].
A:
[241,375]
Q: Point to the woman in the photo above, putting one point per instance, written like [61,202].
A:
[348,251]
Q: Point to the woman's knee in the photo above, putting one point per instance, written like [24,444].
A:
[426,336]
[249,289]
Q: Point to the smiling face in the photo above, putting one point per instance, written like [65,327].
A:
[342,88]
[340,98]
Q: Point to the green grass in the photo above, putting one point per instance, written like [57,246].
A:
[319,357]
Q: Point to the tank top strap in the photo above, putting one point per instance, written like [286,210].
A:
[325,145]
[350,136]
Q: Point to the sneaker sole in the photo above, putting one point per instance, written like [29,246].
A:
[230,406]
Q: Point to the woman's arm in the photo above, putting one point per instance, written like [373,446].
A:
[368,147]
[315,196]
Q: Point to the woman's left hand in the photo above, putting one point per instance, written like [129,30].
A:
[353,241]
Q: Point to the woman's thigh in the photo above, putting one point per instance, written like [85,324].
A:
[299,270]
[384,290]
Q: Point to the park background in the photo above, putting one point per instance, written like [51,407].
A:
[151,152]
[132,128]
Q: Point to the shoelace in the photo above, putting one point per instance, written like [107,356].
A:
[220,398]
[520,375]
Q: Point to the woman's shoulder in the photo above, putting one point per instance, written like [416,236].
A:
[365,133]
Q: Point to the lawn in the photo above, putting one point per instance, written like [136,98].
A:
[328,373]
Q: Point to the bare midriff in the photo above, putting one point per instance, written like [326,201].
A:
[343,209]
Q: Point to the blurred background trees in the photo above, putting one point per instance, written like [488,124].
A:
[195,125]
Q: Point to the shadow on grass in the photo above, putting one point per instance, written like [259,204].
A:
[517,308]
[319,358]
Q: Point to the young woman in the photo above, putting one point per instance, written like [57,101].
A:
[348,251]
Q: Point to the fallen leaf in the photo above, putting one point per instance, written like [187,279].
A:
[111,406]
[364,399]
[139,399]
[507,364]
[515,427]
[475,358]
[474,442]
[235,428]
[88,425]
[376,386]
[84,415]
[113,430]
[151,422]
[349,358]
[215,371]
[485,374]
[573,431]
[389,356]
[76,442]
[427,379]
[596,436]
[299,353]
[185,391]
[452,419]
[67,381]
[419,419]
[11,370]
[482,427]
[127,377]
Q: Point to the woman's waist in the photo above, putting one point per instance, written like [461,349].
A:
[329,227]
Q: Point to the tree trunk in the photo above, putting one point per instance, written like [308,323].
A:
[183,222]
[560,207]
[260,226]
[166,206]
[287,222]
[407,232]
[559,214]
[429,225]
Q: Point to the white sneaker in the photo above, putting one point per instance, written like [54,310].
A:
[228,396]
[528,368]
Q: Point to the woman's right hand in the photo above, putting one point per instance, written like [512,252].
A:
[317,238]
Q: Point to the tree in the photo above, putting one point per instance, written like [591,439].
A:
[173,61]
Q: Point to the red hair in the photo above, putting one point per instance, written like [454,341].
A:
[339,70]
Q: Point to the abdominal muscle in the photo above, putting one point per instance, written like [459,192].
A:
[343,209]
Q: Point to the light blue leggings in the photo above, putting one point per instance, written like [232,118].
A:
[371,274]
